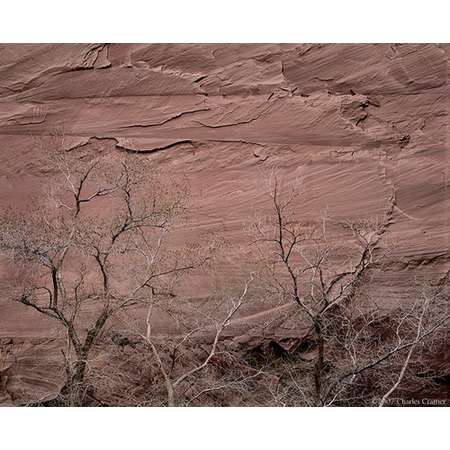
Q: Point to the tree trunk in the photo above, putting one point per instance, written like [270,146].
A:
[170,394]
[319,364]
[73,393]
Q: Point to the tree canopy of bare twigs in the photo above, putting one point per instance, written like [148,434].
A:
[301,264]
[95,246]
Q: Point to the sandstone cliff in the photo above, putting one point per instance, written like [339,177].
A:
[363,126]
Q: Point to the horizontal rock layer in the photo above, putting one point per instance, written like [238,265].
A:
[363,126]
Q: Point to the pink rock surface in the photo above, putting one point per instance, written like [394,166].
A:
[363,126]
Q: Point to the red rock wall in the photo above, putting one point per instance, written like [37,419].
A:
[363,126]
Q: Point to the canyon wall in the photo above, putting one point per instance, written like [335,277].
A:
[363,126]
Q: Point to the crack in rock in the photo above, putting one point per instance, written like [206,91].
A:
[227,125]
[154,149]
[177,116]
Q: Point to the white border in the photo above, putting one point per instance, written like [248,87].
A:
[224,428]
[224,21]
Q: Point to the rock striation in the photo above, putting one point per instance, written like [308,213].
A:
[364,126]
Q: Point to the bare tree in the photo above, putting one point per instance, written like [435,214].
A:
[93,248]
[374,350]
[176,358]
[302,266]
[97,247]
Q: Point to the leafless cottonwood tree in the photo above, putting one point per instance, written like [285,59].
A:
[182,359]
[93,247]
[376,349]
[416,316]
[302,266]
